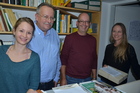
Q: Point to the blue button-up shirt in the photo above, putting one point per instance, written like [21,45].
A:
[47,46]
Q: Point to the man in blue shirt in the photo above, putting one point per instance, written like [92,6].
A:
[46,43]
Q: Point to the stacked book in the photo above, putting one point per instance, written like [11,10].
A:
[88,4]
[82,5]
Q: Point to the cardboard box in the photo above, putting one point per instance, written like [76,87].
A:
[112,74]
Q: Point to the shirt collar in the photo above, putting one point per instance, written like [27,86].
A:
[39,31]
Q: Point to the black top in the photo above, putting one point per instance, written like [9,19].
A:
[130,62]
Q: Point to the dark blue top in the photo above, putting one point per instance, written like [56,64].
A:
[18,77]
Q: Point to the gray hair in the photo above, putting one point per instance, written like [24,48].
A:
[44,4]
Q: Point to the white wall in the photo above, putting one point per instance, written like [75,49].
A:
[107,19]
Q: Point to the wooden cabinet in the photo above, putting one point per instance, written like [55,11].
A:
[95,16]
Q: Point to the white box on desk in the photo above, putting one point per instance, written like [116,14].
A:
[116,79]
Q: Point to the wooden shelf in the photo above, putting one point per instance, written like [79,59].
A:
[64,10]
[74,9]
[6,32]
[20,7]
[95,15]
[63,33]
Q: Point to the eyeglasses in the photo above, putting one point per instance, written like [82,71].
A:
[48,18]
[82,22]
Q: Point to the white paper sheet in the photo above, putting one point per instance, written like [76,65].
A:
[74,88]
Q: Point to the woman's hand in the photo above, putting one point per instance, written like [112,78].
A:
[105,65]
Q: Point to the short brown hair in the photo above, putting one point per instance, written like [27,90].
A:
[24,19]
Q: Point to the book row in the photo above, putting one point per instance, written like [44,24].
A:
[33,3]
[88,4]
[7,19]
[62,23]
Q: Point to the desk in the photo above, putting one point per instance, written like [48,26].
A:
[132,87]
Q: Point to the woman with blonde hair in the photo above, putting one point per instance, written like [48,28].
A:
[120,54]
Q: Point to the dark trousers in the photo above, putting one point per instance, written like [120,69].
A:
[46,85]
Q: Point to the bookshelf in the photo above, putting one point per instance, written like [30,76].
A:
[95,16]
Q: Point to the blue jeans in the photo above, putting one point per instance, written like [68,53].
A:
[71,80]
